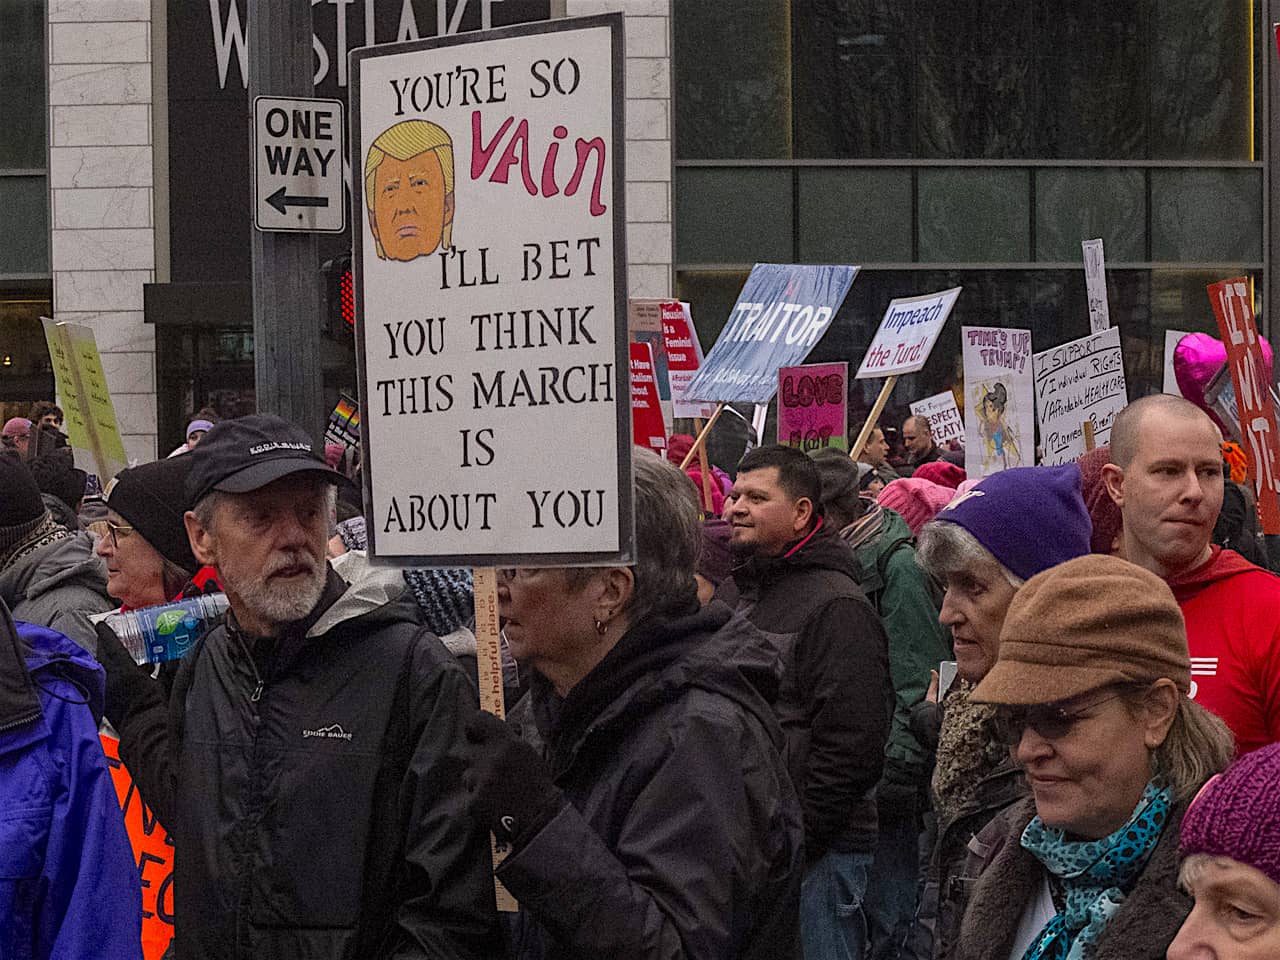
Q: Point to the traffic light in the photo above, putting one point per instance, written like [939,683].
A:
[339,298]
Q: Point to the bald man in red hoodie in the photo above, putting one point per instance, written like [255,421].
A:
[1166,477]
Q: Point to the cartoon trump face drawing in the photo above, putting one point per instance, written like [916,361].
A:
[408,184]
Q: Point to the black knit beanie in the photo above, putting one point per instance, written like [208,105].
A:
[20,503]
[152,500]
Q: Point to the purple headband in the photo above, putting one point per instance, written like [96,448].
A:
[195,425]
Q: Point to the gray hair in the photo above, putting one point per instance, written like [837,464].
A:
[206,508]
[668,538]
[946,549]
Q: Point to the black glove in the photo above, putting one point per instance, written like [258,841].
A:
[510,786]
[126,681]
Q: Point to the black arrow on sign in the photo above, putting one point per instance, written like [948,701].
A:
[279,200]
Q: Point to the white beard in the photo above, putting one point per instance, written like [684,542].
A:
[279,602]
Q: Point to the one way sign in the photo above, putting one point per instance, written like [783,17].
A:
[297,148]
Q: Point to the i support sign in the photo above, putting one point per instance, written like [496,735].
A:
[297,148]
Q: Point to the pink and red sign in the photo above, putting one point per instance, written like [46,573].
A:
[684,358]
[647,427]
[813,406]
[1233,306]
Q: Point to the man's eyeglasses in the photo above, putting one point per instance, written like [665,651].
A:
[1051,721]
[116,531]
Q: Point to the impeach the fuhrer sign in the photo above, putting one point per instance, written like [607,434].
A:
[491,293]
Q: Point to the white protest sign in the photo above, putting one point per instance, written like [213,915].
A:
[1095,283]
[1078,381]
[907,333]
[297,168]
[1171,340]
[943,415]
[999,410]
[491,296]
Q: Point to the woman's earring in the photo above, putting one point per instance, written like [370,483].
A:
[601,627]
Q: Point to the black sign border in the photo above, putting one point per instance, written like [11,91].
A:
[625,554]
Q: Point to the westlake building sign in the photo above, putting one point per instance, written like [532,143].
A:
[491,298]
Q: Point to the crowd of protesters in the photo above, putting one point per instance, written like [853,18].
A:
[838,707]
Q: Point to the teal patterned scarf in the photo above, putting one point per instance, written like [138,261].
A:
[1095,874]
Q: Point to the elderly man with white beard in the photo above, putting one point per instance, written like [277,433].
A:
[305,762]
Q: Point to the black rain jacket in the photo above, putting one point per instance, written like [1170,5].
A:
[682,836]
[313,790]
[836,698]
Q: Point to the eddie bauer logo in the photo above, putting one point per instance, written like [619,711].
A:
[332,732]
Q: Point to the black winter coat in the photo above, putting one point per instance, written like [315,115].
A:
[314,792]
[682,835]
[836,698]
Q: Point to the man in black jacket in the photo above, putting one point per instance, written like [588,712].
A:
[306,763]
[797,581]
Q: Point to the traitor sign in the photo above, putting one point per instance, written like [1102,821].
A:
[907,334]
[297,150]
[1079,381]
[491,296]
[782,311]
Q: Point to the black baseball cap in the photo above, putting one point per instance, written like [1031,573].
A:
[245,454]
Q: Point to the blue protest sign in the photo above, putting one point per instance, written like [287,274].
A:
[782,311]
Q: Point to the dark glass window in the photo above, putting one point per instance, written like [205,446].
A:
[968,79]
[22,84]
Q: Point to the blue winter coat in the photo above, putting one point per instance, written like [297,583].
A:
[69,887]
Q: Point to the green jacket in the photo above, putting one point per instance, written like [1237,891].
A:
[902,595]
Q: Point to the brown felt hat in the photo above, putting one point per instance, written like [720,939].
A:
[1084,624]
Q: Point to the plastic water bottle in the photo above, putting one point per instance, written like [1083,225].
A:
[167,631]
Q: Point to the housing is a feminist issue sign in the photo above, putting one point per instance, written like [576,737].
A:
[491,296]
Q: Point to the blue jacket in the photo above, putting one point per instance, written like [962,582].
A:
[69,887]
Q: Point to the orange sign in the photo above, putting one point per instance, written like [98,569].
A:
[154,852]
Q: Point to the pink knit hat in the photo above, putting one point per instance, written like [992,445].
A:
[940,472]
[917,500]
[1237,814]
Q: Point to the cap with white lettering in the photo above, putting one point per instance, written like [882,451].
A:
[237,456]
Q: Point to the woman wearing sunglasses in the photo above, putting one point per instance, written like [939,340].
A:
[1090,693]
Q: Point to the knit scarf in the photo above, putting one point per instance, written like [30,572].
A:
[1095,874]
[22,540]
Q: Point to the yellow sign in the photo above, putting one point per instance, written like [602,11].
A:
[86,401]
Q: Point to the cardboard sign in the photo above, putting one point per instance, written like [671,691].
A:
[813,406]
[684,359]
[1233,307]
[90,416]
[153,850]
[490,279]
[1095,283]
[943,415]
[999,410]
[1170,383]
[647,428]
[782,311]
[907,333]
[1077,382]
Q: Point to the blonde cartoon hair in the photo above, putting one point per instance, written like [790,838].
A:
[406,139]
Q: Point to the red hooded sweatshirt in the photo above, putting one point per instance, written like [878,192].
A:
[1232,609]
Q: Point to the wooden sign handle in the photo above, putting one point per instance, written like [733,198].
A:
[876,409]
[702,436]
[1089,443]
[484,581]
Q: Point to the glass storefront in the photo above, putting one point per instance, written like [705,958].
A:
[974,144]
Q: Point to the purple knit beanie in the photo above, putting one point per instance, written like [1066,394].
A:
[1237,814]
[1029,518]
